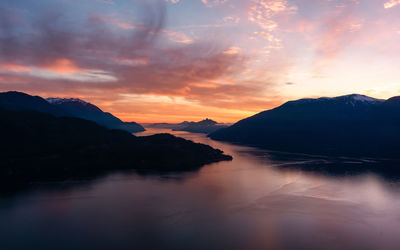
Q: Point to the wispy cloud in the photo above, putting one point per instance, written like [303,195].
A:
[112,19]
[263,12]
[106,1]
[337,31]
[172,1]
[213,3]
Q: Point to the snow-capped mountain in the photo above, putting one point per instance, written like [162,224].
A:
[351,124]
[68,107]
[85,110]
[56,100]
[353,100]
[75,106]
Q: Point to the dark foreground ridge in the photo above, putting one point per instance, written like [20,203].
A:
[352,125]
[39,146]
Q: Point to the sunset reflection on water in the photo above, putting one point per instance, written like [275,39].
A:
[248,203]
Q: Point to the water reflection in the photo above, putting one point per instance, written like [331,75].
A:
[249,203]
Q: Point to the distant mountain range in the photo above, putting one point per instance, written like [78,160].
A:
[205,126]
[351,125]
[62,107]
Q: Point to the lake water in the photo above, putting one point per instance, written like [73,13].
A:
[252,202]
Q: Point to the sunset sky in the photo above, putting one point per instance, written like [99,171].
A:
[175,60]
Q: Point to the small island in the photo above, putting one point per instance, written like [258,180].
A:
[205,126]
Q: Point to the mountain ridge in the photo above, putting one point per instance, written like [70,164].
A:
[345,125]
[85,110]
[68,107]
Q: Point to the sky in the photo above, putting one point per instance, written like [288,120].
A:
[175,60]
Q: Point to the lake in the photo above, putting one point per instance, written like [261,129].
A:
[256,201]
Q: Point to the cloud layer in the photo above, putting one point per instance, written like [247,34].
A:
[217,58]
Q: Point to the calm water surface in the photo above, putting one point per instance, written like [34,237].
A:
[249,203]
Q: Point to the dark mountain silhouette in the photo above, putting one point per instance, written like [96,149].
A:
[205,126]
[160,125]
[19,101]
[40,146]
[64,107]
[77,108]
[353,125]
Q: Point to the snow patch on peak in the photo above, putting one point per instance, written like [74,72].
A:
[363,98]
[54,100]
[57,100]
[353,99]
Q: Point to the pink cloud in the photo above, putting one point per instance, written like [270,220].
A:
[336,31]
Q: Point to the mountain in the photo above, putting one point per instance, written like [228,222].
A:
[205,126]
[64,107]
[351,125]
[18,101]
[77,108]
[160,125]
[40,146]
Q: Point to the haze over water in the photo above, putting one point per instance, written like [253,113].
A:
[250,202]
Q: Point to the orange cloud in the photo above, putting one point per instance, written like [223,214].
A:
[232,50]
[203,85]
[63,66]
[14,68]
